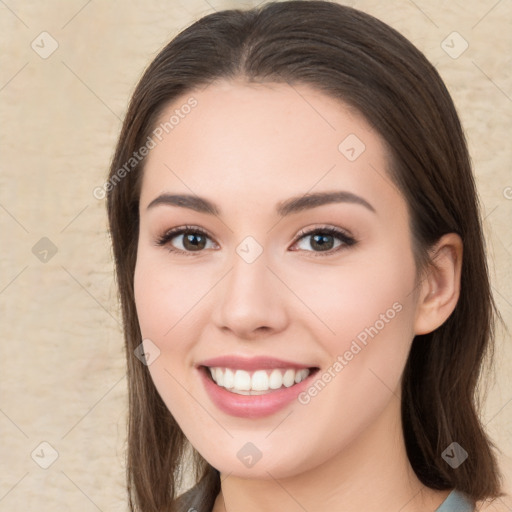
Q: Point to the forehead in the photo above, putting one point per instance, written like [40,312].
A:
[268,140]
[246,114]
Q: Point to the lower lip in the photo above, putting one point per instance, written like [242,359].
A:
[251,406]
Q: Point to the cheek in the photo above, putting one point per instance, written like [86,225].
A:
[368,296]
[149,295]
[164,302]
[160,303]
[172,306]
[369,309]
[165,297]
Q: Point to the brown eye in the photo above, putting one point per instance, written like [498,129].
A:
[191,239]
[323,240]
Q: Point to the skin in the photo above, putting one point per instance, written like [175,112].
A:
[248,147]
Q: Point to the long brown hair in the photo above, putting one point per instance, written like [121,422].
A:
[358,59]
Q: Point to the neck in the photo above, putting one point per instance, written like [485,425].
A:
[372,473]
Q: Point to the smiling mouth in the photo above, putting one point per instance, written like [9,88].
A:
[258,382]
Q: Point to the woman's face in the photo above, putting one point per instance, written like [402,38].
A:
[261,285]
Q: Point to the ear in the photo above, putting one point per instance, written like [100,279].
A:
[440,288]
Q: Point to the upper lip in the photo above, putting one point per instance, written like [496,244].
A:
[251,363]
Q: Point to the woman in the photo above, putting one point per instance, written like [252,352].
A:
[302,271]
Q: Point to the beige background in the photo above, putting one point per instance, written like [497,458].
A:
[62,363]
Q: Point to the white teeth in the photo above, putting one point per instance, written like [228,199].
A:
[219,376]
[229,379]
[301,375]
[260,382]
[289,378]
[242,380]
[276,379]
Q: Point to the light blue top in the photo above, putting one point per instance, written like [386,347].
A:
[456,502]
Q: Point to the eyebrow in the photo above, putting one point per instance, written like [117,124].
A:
[283,208]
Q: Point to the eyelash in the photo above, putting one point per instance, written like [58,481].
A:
[346,240]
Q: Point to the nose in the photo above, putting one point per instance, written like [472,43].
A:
[250,301]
